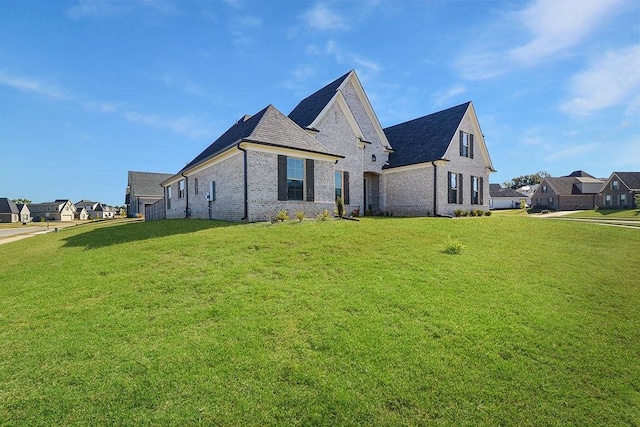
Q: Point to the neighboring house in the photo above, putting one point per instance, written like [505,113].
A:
[579,190]
[332,145]
[59,210]
[96,210]
[505,197]
[81,213]
[8,211]
[618,192]
[528,191]
[143,190]
[24,213]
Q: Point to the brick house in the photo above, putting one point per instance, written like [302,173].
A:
[618,192]
[578,190]
[143,190]
[330,145]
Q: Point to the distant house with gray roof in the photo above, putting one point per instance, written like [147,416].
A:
[332,145]
[505,197]
[143,190]
[576,191]
[8,211]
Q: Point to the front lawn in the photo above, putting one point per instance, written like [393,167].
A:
[322,323]
[626,214]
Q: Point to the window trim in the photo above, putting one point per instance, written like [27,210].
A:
[181,188]
[292,177]
[466,144]
[458,189]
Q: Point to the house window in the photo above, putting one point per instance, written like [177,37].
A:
[544,188]
[466,144]
[623,200]
[455,188]
[615,185]
[168,197]
[607,200]
[338,185]
[539,201]
[476,190]
[550,201]
[295,179]
[181,189]
[195,185]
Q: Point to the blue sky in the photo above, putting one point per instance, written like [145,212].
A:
[92,89]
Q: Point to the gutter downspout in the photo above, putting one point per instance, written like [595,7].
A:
[186,195]
[435,191]
[246,183]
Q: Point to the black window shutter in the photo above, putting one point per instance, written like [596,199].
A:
[282,177]
[345,183]
[471,146]
[461,149]
[481,189]
[460,189]
[309,178]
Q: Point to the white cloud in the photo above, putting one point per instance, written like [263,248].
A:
[574,152]
[243,27]
[611,80]
[187,125]
[444,96]
[97,8]
[541,31]
[556,25]
[322,18]
[29,84]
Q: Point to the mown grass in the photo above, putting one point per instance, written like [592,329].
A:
[626,214]
[322,323]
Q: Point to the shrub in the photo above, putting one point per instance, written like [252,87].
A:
[457,213]
[324,216]
[282,216]
[300,215]
[340,206]
[465,212]
[356,212]
[479,212]
[487,213]
[453,246]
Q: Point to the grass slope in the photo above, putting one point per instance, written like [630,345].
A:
[322,323]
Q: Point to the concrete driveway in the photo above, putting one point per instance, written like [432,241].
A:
[12,234]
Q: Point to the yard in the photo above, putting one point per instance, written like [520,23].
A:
[322,323]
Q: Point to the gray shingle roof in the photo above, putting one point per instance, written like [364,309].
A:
[579,174]
[495,190]
[270,127]
[7,206]
[144,184]
[308,109]
[424,139]
[630,179]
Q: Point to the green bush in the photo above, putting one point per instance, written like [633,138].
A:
[324,216]
[282,216]
[300,215]
[453,246]
[340,206]
[465,212]
[457,213]
[487,213]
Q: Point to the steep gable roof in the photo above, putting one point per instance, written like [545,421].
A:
[8,206]
[268,127]
[145,184]
[495,190]
[579,174]
[426,138]
[630,179]
[308,109]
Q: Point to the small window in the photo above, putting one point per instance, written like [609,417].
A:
[623,200]
[544,188]
[455,188]
[295,179]
[550,201]
[615,185]
[195,186]
[181,189]
[607,200]
[338,184]
[168,197]
[466,144]
[476,183]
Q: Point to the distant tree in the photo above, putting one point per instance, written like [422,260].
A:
[521,181]
[24,201]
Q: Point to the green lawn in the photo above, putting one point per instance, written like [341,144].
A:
[627,214]
[322,323]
